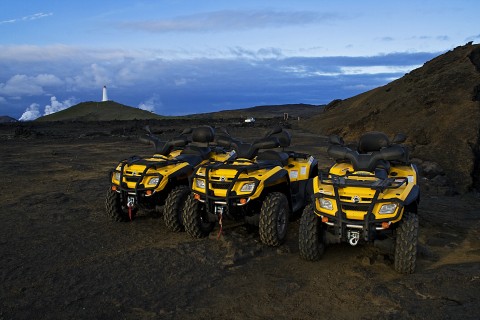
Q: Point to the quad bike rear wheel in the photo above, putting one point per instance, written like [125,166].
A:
[173,209]
[274,216]
[405,255]
[311,236]
[114,207]
[195,218]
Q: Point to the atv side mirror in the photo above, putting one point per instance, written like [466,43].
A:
[275,130]
[337,140]
[186,131]
[399,138]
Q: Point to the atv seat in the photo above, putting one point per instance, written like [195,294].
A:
[199,147]
[374,152]
[372,141]
[274,156]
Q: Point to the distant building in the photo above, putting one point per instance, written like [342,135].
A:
[104,95]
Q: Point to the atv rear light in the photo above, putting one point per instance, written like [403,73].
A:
[326,204]
[154,181]
[200,183]
[388,208]
[248,187]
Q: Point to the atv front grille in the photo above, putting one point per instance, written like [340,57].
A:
[356,207]
[132,178]
[220,185]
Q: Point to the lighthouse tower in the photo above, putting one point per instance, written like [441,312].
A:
[104,95]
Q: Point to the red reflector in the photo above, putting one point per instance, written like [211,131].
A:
[149,192]
[243,201]
[385,225]
[114,188]
[324,219]
[196,196]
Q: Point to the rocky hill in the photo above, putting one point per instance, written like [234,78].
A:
[294,111]
[436,105]
[99,111]
[7,119]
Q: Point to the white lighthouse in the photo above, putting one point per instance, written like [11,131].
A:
[104,95]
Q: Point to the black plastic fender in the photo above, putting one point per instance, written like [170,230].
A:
[277,176]
[414,195]
[183,172]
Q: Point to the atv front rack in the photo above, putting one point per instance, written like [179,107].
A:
[210,199]
[138,178]
[370,223]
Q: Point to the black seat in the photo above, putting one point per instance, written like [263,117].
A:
[201,137]
[372,141]
[273,156]
[374,152]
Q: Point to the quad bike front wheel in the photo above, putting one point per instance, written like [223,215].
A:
[405,255]
[115,208]
[173,209]
[274,216]
[195,218]
[311,235]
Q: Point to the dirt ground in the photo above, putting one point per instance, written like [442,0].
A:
[62,258]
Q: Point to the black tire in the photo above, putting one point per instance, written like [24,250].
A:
[274,216]
[114,208]
[311,235]
[195,218]
[173,209]
[405,256]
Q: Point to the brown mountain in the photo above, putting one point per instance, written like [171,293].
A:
[269,111]
[99,111]
[7,119]
[436,105]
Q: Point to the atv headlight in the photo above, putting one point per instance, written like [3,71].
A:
[248,187]
[326,204]
[200,183]
[116,176]
[154,181]
[388,208]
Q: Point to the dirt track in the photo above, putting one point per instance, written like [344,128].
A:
[61,257]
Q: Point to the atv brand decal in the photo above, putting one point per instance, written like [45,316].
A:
[356,199]
[222,179]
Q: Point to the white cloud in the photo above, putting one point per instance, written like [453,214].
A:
[21,84]
[377,69]
[31,113]
[56,105]
[31,17]
[150,104]
[2,100]
[225,20]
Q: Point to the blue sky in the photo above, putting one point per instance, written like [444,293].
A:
[176,57]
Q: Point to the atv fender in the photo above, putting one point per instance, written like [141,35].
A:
[414,195]
[271,181]
[182,173]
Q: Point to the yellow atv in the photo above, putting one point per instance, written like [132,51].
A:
[161,179]
[261,188]
[369,194]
